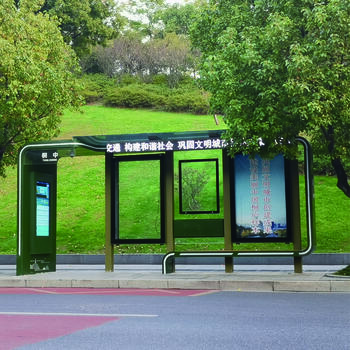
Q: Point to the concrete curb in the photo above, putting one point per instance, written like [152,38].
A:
[248,285]
[80,272]
[186,277]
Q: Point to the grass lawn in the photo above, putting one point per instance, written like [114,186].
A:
[100,120]
[80,218]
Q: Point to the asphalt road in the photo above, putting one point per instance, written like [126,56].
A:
[171,319]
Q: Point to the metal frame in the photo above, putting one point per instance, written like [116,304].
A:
[22,153]
[168,263]
[115,199]
[100,146]
[217,195]
[235,237]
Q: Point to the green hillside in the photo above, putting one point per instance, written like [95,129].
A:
[80,227]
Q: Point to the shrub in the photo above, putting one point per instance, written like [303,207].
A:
[160,79]
[128,79]
[133,96]
[128,91]
[94,86]
[194,102]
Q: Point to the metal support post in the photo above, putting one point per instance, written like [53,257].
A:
[169,205]
[227,210]
[109,253]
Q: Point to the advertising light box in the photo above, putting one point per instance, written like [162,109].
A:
[260,209]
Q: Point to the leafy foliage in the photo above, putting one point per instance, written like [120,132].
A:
[193,183]
[36,77]
[94,86]
[133,96]
[176,19]
[185,98]
[190,101]
[277,69]
[84,23]
[127,54]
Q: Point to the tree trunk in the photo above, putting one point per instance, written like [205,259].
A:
[343,182]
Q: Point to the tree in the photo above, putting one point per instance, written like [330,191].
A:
[36,77]
[278,69]
[129,55]
[143,16]
[172,55]
[85,23]
[177,18]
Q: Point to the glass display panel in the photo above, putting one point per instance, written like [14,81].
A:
[139,200]
[199,186]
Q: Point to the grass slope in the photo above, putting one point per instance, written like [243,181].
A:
[80,222]
[100,120]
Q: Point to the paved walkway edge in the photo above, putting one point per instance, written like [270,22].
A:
[244,285]
[141,259]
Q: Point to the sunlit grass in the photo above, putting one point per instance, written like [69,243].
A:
[80,202]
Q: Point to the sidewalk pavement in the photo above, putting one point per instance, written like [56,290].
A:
[257,278]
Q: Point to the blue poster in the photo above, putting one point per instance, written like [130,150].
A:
[260,198]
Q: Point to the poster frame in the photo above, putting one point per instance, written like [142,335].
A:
[288,204]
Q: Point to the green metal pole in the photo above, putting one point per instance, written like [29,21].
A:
[169,205]
[109,253]
[295,203]
[227,210]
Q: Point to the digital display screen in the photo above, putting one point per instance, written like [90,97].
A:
[42,209]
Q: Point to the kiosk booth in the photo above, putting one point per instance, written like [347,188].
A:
[240,199]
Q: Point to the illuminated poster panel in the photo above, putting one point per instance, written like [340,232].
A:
[260,199]
[42,209]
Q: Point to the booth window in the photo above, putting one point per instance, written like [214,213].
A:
[199,186]
[138,199]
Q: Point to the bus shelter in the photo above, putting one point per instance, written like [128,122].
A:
[240,199]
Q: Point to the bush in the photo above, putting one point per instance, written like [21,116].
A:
[128,91]
[128,79]
[194,102]
[133,96]
[158,97]
[94,86]
[160,79]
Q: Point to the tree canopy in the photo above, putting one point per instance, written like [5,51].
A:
[84,23]
[279,69]
[36,77]
[176,19]
[156,18]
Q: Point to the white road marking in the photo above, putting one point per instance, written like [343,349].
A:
[72,314]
